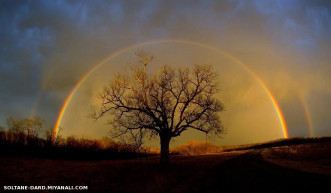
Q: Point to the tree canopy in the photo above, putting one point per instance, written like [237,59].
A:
[164,104]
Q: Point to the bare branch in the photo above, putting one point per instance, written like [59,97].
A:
[165,103]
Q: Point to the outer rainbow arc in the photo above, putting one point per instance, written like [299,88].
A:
[35,106]
[307,114]
[71,94]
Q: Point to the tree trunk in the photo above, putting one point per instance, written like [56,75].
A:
[165,141]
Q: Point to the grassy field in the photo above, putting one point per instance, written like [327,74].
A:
[272,169]
[311,157]
[135,175]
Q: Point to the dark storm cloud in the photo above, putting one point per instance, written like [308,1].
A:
[47,46]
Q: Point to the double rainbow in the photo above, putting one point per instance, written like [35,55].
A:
[95,67]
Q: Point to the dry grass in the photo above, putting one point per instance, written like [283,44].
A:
[211,172]
[311,157]
[140,175]
[195,147]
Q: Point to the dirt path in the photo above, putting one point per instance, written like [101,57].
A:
[250,173]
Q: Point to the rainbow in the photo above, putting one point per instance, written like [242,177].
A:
[35,106]
[79,83]
[307,114]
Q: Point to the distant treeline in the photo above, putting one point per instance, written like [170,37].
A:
[25,138]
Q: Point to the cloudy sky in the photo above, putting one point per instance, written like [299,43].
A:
[46,47]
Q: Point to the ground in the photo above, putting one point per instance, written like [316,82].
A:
[238,171]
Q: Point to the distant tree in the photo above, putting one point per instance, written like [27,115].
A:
[53,139]
[163,104]
[72,142]
[3,135]
[30,127]
[25,131]
[14,126]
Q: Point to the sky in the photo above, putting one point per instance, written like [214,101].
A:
[46,47]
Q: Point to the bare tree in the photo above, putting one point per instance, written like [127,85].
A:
[163,104]
[30,127]
[52,138]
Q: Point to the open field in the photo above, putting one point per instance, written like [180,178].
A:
[136,175]
[236,171]
[313,157]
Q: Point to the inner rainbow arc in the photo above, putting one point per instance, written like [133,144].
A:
[268,92]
